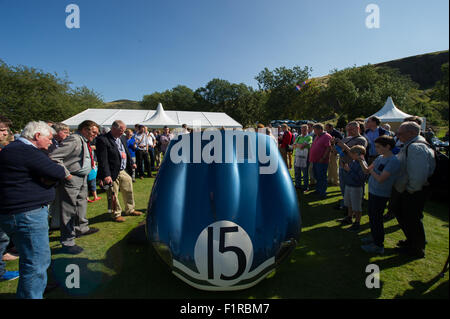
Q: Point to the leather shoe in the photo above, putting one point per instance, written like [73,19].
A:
[119,219]
[135,213]
[91,230]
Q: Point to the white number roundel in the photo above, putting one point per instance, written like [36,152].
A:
[223,253]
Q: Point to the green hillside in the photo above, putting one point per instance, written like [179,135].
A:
[424,69]
[123,104]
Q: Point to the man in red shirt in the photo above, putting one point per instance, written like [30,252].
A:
[287,136]
[319,156]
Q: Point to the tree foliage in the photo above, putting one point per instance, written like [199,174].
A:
[30,94]
[361,91]
[279,84]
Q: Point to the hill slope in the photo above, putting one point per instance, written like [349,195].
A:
[123,104]
[424,69]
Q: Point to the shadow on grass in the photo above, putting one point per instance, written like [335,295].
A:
[102,218]
[420,289]
[313,214]
[321,271]
[437,209]
[91,277]
[328,263]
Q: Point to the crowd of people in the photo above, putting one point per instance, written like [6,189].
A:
[395,166]
[47,171]
[46,174]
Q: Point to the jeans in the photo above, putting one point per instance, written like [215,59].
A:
[4,241]
[377,205]
[320,174]
[29,231]
[301,173]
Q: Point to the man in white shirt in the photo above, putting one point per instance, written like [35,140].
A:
[151,149]
[142,144]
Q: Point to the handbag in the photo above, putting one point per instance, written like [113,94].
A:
[301,158]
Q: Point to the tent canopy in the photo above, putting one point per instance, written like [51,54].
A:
[389,113]
[160,119]
[153,118]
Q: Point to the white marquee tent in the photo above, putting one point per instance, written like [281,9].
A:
[390,114]
[153,118]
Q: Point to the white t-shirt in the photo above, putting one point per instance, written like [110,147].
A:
[151,139]
[141,141]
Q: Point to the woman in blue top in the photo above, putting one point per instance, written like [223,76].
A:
[131,145]
[383,173]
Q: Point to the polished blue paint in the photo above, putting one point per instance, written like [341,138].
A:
[187,197]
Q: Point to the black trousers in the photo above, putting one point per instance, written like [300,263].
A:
[142,158]
[377,205]
[151,153]
[408,209]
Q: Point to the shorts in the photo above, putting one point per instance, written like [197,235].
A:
[353,198]
[92,185]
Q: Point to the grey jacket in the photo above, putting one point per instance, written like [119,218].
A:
[70,154]
[415,169]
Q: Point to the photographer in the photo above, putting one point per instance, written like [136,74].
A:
[353,138]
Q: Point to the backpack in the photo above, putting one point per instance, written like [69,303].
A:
[439,178]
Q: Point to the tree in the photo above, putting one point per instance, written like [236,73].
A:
[440,91]
[30,94]
[312,103]
[360,91]
[179,98]
[279,85]
[239,101]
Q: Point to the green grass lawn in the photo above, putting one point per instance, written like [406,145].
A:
[327,263]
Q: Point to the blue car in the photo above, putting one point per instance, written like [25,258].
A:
[223,211]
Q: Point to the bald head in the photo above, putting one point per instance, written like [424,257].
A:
[408,131]
[118,127]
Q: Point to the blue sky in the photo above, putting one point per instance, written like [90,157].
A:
[125,49]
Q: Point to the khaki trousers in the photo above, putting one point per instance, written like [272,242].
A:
[289,159]
[333,178]
[312,180]
[123,184]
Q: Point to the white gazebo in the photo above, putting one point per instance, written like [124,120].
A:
[160,119]
[153,118]
[390,114]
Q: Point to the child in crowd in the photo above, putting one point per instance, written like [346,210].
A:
[383,173]
[354,181]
